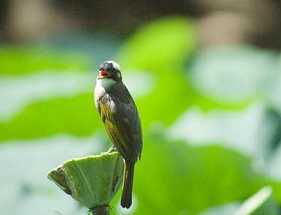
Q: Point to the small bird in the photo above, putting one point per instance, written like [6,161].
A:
[120,116]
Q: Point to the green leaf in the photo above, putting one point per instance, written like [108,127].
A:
[25,60]
[161,43]
[75,115]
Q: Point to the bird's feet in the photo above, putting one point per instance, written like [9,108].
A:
[112,149]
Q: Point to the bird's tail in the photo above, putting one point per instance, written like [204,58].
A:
[126,200]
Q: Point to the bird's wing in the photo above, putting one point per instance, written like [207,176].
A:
[122,124]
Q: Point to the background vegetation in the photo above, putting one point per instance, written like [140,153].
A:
[210,111]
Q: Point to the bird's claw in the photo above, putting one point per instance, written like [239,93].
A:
[112,149]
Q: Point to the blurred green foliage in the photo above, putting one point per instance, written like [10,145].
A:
[176,178]
[75,115]
[25,60]
[160,47]
[163,48]
[145,51]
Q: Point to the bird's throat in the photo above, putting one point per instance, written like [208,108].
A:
[106,83]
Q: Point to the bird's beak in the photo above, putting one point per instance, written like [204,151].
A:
[103,73]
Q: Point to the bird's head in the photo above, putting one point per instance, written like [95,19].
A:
[110,70]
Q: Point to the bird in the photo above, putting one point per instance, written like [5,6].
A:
[121,120]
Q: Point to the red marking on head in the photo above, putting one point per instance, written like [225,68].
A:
[103,73]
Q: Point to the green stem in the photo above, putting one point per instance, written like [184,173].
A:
[102,210]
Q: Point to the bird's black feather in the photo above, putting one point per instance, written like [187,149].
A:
[121,119]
